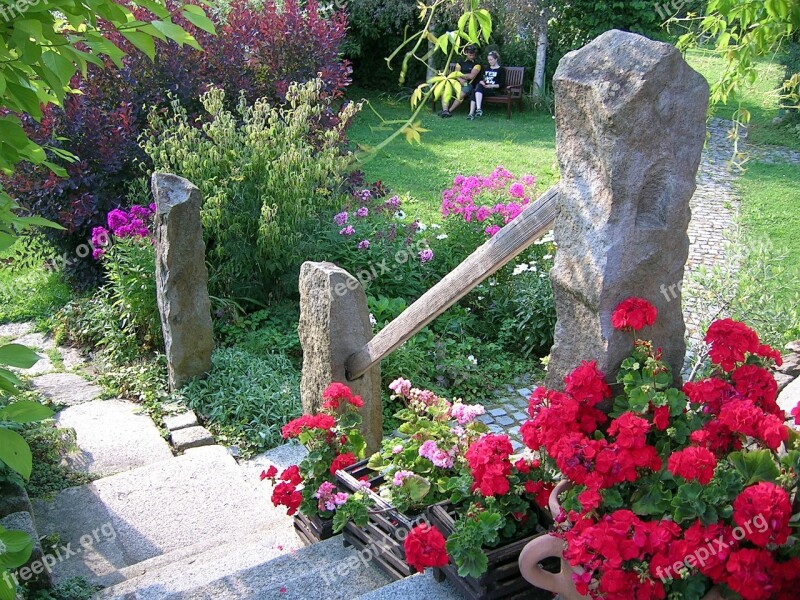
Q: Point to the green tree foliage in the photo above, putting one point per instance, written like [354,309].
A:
[743,31]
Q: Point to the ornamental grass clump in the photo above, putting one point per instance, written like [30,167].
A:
[675,491]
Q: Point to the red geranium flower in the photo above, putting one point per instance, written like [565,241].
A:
[711,392]
[661,417]
[334,394]
[286,495]
[633,314]
[763,512]
[693,463]
[588,383]
[425,547]
[758,385]
[730,340]
[489,462]
[796,414]
[749,573]
[292,475]
[321,421]
[342,461]
[269,473]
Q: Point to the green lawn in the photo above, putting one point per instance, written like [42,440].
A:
[770,210]
[761,98]
[525,144]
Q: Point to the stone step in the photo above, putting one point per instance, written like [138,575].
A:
[325,570]
[66,389]
[135,516]
[112,437]
[421,585]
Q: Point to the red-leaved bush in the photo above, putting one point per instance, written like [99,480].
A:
[257,52]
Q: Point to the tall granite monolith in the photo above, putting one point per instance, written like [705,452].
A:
[182,279]
[334,323]
[630,127]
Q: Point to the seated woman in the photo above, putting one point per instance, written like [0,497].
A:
[470,70]
[493,80]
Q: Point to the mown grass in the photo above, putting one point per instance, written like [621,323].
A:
[761,99]
[524,144]
[770,211]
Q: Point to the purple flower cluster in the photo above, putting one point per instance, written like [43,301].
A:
[131,224]
[463,198]
[329,498]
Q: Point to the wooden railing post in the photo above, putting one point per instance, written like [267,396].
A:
[334,323]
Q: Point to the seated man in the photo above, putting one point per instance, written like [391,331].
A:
[492,81]
[470,71]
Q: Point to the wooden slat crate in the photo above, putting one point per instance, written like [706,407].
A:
[502,579]
[383,536]
[311,530]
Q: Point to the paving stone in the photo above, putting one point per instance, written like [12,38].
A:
[158,509]
[496,429]
[419,586]
[524,392]
[790,366]
[15,330]
[281,457]
[514,431]
[496,412]
[72,358]
[520,416]
[112,438]
[66,389]
[487,419]
[182,421]
[505,421]
[191,437]
[38,341]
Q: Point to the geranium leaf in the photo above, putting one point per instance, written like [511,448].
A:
[755,466]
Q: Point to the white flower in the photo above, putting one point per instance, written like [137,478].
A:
[547,256]
[435,226]
[520,268]
[542,275]
[492,282]
[399,215]
[441,236]
[372,319]
[472,359]
[421,226]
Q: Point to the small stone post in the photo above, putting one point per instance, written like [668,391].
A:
[182,279]
[630,127]
[334,323]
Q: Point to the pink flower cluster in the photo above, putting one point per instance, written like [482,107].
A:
[463,198]
[465,413]
[437,456]
[329,498]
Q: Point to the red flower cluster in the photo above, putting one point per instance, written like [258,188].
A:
[425,547]
[759,386]
[731,341]
[613,546]
[336,393]
[693,463]
[342,461]
[587,383]
[763,512]
[712,393]
[745,418]
[285,494]
[295,427]
[632,314]
[489,462]
[540,490]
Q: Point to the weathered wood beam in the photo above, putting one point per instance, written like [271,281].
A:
[507,243]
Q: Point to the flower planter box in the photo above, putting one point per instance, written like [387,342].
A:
[503,578]
[381,540]
[313,529]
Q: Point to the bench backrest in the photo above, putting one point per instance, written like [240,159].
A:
[514,78]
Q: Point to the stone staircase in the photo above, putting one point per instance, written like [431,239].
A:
[193,526]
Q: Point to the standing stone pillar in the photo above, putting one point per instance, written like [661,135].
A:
[182,279]
[334,323]
[630,127]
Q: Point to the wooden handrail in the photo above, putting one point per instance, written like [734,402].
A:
[531,224]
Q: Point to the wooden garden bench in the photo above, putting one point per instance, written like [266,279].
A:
[511,93]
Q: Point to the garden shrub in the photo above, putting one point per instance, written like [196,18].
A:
[246,399]
[259,50]
[267,175]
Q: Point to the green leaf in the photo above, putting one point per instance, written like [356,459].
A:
[8,591]
[417,487]
[197,17]
[655,501]
[17,355]
[17,545]
[15,453]
[176,33]
[8,381]
[25,411]
[142,41]
[755,466]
